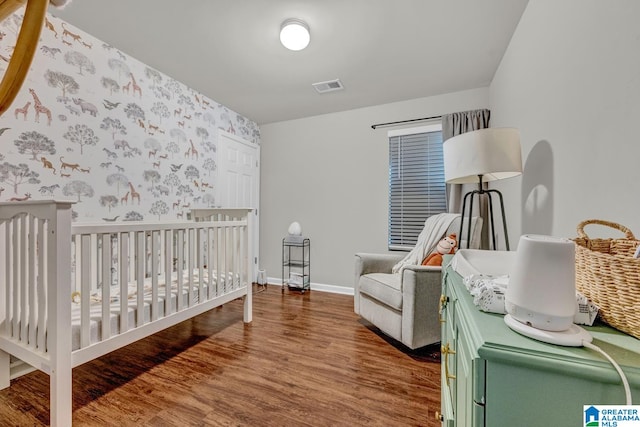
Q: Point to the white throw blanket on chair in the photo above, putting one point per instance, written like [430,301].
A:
[434,228]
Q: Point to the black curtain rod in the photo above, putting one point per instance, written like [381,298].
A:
[404,121]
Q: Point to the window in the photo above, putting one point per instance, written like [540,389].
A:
[416,183]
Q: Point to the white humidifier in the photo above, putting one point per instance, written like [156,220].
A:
[541,296]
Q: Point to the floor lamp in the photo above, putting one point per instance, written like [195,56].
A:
[481,156]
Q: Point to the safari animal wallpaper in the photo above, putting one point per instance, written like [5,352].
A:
[94,125]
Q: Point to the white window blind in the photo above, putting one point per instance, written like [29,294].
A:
[416,185]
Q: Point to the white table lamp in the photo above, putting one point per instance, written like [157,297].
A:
[481,156]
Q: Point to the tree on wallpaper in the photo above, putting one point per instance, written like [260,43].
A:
[120,67]
[153,177]
[133,216]
[154,76]
[159,208]
[15,175]
[191,172]
[110,84]
[78,189]
[119,180]
[81,61]
[172,148]
[109,201]
[35,144]
[113,126]
[160,110]
[209,165]
[178,136]
[202,133]
[184,190]
[81,135]
[171,180]
[66,83]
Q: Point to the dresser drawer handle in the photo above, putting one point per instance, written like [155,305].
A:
[443,303]
[446,350]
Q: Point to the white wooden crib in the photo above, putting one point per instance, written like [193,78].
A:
[63,284]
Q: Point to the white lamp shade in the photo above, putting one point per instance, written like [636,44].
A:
[294,34]
[542,291]
[295,229]
[493,153]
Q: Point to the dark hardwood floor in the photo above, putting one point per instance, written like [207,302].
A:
[306,360]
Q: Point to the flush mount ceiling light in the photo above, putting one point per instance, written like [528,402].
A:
[294,34]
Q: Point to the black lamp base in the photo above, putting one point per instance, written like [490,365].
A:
[489,194]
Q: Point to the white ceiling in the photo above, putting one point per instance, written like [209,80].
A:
[382,50]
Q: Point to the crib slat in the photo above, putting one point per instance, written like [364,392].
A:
[242,259]
[43,259]
[83,246]
[154,275]
[190,256]
[32,282]
[24,254]
[227,258]
[77,259]
[220,263]
[86,262]
[16,279]
[107,279]
[180,271]
[245,263]
[132,250]
[168,262]
[95,264]
[4,275]
[8,285]
[210,255]
[235,271]
[199,262]
[123,273]
[139,268]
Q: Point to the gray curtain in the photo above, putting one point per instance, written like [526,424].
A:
[454,124]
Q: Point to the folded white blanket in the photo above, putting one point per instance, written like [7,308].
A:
[434,228]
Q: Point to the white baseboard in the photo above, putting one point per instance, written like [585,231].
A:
[343,290]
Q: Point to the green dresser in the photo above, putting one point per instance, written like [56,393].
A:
[492,376]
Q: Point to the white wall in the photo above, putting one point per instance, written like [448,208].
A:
[330,173]
[570,81]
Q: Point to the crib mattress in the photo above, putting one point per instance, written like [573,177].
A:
[95,310]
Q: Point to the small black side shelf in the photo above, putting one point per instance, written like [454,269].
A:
[296,263]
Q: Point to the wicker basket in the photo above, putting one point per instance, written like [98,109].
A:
[609,275]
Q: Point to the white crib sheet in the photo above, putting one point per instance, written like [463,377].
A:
[95,311]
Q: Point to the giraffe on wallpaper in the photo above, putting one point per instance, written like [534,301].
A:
[135,86]
[194,152]
[134,193]
[24,110]
[40,108]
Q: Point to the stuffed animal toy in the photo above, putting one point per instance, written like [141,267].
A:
[445,246]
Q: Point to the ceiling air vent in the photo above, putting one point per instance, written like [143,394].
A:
[328,86]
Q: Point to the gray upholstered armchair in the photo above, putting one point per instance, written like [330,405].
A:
[403,305]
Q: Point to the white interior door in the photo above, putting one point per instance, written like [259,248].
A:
[238,183]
